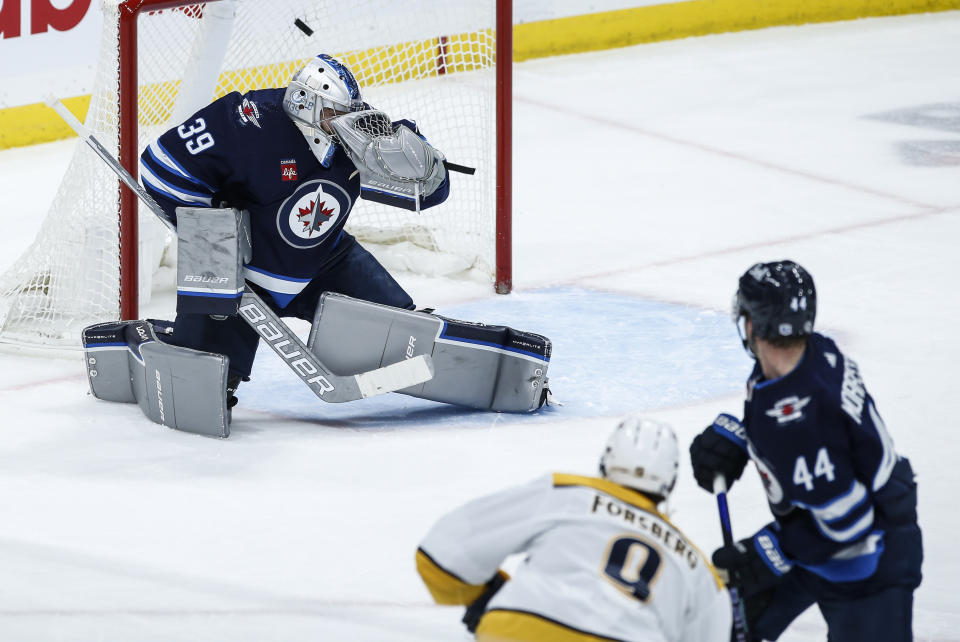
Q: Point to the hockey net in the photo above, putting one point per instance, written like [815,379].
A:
[432,61]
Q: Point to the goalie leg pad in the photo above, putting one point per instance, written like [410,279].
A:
[177,387]
[476,365]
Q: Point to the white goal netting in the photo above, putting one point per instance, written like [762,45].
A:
[431,61]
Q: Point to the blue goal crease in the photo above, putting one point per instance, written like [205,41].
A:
[612,354]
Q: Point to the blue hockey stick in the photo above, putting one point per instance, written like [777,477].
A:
[739,614]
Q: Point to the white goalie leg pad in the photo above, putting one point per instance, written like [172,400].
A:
[177,387]
[476,365]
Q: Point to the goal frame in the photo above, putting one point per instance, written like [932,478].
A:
[129,13]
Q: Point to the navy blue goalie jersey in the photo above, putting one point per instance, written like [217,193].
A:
[825,458]
[243,151]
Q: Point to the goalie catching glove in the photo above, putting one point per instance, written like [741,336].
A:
[397,165]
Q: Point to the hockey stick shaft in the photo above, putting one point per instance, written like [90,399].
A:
[739,613]
[320,379]
[108,158]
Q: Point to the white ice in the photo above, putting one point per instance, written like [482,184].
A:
[646,180]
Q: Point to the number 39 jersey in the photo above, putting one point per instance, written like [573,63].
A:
[243,150]
[601,563]
[823,452]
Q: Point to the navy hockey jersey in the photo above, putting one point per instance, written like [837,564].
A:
[243,151]
[824,455]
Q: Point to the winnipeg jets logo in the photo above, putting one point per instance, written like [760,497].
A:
[308,215]
[313,217]
[788,409]
[249,113]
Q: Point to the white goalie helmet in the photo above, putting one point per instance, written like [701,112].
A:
[321,90]
[642,454]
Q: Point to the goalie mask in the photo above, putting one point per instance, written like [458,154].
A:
[642,454]
[321,90]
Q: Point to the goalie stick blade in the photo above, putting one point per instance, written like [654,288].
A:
[396,376]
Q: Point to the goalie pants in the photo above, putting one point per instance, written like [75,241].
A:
[879,609]
[352,271]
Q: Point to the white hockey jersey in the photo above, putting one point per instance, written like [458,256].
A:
[601,564]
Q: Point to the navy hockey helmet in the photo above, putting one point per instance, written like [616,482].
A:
[779,298]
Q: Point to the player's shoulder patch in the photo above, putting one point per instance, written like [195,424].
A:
[788,409]
[257,109]
[249,113]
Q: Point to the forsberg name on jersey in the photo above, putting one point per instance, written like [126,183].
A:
[638,520]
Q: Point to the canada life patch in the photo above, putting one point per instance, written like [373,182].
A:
[288,170]
[308,215]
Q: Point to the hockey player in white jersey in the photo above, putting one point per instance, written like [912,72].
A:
[601,561]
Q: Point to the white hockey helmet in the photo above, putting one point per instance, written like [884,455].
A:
[642,454]
[320,90]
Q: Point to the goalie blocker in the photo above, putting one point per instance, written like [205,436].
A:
[476,365]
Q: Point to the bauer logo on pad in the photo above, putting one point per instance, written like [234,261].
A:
[288,170]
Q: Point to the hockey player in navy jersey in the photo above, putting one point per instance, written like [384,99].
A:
[845,533]
[276,154]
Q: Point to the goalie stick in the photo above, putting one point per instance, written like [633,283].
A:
[739,614]
[325,384]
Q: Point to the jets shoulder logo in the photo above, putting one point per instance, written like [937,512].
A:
[249,114]
[306,217]
[788,409]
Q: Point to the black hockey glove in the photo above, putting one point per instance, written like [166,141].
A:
[478,607]
[720,448]
[753,565]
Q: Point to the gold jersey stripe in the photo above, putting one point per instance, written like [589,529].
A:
[633,497]
[444,586]
[504,625]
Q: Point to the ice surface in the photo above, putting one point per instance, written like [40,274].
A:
[647,179]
